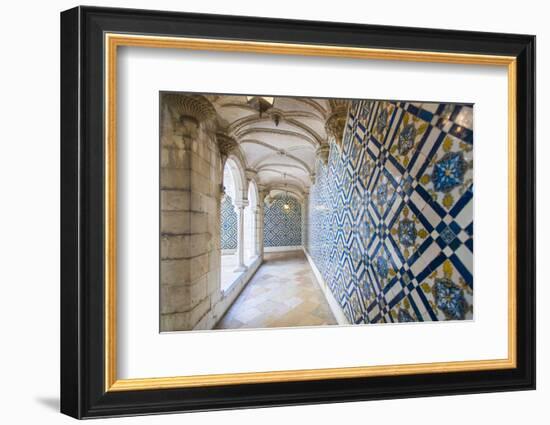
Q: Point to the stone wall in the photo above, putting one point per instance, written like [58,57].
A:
[190,209]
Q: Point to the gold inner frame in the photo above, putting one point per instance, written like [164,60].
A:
[113,41]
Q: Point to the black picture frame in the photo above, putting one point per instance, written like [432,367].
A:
[83,392]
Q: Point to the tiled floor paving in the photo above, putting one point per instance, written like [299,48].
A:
[282,293]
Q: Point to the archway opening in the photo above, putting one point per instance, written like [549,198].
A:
[229,226]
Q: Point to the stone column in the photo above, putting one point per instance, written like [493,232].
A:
[241,267]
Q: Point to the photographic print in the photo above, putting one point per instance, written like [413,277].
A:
[200,212]
[279,212]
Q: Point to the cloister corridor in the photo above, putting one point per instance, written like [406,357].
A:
[296,211]
[282,293]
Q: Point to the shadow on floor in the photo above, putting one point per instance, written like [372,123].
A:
[49,402]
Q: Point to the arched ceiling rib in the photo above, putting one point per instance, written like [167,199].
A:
[271,134]
[280,144]
[257,157]
[282,166]
[302,181]
[305,125]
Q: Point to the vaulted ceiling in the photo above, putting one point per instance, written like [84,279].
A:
[281,143]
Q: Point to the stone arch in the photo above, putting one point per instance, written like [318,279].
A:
[292,189]
[236,167]
[253,192]
[237,170]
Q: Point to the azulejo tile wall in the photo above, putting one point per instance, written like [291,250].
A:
[391,215]
[283,227]
[228,224]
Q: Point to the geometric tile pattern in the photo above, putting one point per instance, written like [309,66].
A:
[391,215]
[283,227]
[228,224]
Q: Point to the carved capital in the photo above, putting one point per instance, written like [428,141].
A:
[221,192]
[265,195]
[250,174]
[262,192]
[312,178]
[241,204]
[186,113]
[322,153]
[226,145]
[336,124]
[189,109]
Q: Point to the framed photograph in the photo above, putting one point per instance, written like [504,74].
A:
[261,212]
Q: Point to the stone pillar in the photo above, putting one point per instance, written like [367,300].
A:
[336,122]
[241,267]
[190,179]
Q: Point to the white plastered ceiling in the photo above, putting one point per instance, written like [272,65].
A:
[281,144]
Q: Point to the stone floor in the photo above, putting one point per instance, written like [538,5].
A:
[282,293]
